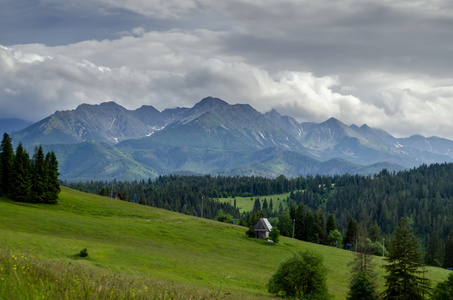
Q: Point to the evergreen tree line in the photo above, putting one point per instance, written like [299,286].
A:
[28,180]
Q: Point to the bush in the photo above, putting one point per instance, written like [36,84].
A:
[302,276]
[251,232]
[362,288]
[223,217]
[83,252]
[274,235]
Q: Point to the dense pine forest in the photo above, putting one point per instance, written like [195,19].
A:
[28,180]
[324,209]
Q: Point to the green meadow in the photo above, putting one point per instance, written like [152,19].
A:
[245,204]
[140,252]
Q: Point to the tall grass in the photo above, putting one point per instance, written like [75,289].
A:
[25,277]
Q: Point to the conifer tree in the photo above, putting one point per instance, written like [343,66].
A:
[53,184]
[39,185]
[301,229]
[351,232]
[375,232]
[448,253]
[21,181]
[433,251]
[321,226]
[331,224]
[6,163]
[405,273]
[362,284]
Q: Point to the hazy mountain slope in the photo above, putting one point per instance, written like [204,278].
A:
[216,125]
[106,122]
[214,137]
[11,125]
[97,161]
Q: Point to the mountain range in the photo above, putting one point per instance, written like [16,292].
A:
[105,141]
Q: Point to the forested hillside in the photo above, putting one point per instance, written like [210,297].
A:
[424,195]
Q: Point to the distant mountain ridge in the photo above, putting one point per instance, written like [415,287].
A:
[214,137]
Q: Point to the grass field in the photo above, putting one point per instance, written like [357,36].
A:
[139,252]
[245,204]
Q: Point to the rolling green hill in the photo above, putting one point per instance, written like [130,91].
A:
[151,253]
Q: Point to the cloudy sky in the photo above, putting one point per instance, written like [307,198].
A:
[385,63]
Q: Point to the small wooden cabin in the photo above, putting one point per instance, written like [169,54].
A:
[262,228]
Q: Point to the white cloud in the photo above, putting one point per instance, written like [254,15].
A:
[380,63]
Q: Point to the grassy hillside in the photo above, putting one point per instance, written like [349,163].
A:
[245,204]
[141,252]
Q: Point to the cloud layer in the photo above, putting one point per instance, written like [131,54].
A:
[383,63]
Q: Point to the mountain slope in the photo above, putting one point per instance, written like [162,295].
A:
[94,160]
[106,122]
[216,125]
[214,137]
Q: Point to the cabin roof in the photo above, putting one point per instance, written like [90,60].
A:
[262,225]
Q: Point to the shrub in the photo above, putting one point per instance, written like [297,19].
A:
[274,235]
[83,252]
[251,232]
[302,276]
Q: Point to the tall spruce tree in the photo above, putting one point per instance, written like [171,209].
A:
[363,279]
[405,272]
[39,172]
[301,229]
[21,181]
[352,232]
[331,224]
[53,184]
[433,250]
[448,253]
[6,163]
[321,226]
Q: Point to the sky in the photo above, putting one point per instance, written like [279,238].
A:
[386,63]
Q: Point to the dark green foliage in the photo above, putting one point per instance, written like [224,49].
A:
[21,180]
[362,288]
[301,228]
[251,232]
[274,235]
[363,279]
[52,183]
[302,276]
[334,238]
[444,290]
[33,180]
[257,205]
[352,232]
[285,224]
[433,254]
[405,272]
[321,226]
[331,223]
[375,232]
[223,217]
[83,252]
[39,184]
[6,163]
[448,253]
